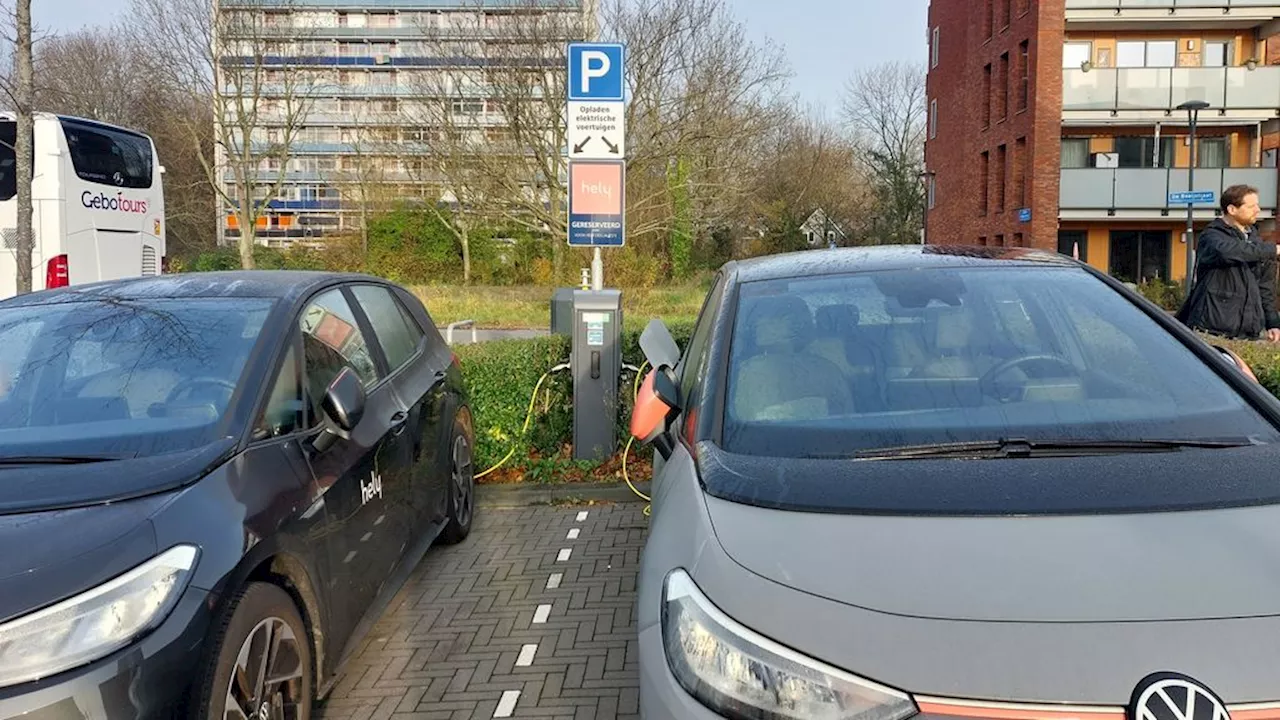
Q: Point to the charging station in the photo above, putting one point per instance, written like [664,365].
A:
[597,170]
[596,362]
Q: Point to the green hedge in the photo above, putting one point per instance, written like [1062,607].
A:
[501,377]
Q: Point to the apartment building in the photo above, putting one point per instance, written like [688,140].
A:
[355,90]
[1055,123]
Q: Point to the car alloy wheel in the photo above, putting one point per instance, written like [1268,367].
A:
[266,682]
[463,481]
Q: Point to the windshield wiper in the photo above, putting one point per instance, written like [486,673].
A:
[55,459]
[1023,448]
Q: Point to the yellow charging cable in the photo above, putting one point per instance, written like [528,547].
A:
[528,420]
[635,393]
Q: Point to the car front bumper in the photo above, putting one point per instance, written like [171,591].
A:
[148,679]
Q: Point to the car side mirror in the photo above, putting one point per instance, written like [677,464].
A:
[657,405]
[344,404]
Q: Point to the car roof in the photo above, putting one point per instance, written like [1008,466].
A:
[841,261]
[275,284]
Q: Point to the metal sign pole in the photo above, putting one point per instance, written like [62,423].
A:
[597,270]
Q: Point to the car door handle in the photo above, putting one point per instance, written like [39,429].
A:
[398,422]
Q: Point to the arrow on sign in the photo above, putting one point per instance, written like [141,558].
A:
[612,148]
[579,147]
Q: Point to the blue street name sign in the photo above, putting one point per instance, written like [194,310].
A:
[1192,197]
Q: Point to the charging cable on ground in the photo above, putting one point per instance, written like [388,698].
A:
[528,419]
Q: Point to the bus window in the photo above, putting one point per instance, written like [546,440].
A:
[8,160]
[107,156]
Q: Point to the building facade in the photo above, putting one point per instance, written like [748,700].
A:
[351,102]
[1056,123]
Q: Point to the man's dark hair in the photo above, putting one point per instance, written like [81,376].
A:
[1236,194]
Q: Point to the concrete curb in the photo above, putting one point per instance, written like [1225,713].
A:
[524,495]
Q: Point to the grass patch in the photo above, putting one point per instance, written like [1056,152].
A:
[524,307]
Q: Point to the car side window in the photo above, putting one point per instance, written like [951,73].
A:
[694,365]
[284,412]
[398,336]
[330,321]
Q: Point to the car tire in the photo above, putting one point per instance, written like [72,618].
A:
[462,482]
[261,617]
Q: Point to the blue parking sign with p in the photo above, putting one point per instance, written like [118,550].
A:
[596,71]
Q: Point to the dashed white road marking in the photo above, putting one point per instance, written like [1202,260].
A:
[541,614]
[507,705]
[526,655]
[553,582]
[379,520]
[350,556]
[582,516]
[366,537]
[573,534]
[564,554]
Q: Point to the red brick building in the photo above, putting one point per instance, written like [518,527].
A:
[1053,123]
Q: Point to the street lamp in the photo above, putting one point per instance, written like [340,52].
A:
[1193,108]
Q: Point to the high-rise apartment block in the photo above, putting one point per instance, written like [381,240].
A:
[1061,124]
[353,100]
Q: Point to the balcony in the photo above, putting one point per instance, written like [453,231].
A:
[1128,93]
[1145,191]
[1170,14]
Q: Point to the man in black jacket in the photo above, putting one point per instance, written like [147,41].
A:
[1234,295]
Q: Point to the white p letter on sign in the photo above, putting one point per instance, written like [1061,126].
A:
[595,64]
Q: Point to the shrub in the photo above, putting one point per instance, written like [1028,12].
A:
[501,377]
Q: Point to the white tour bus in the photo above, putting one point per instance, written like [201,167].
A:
[97,199]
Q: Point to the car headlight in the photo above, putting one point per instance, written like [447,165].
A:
[94,623]
[740,674]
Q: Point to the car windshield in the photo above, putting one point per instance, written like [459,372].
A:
[840,365]
[121,378]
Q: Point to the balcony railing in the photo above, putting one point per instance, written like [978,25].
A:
[1149,188]
[1130,89]
[1189,4]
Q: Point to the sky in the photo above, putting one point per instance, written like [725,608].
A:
[825,40]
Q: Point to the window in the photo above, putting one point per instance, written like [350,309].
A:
[1008,14]
[1020,171]
[1017,239]
[332,341]
[985,170]
[109,157]
[987,82]
[1145,152]
[1002,167]
[1139,256]
[988,18]
[933,119]
[1075,54]
[693,367]
[1214,153]
[1000,240]
[1024,74]
[1140,53]
[1024,7]
[1217,54]
[933,47]
[397,333]
[1073,242]
[1075,153]
[933,192]
[1004,86]
[283,414]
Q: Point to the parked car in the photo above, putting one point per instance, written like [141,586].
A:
[954,483]
[211,485]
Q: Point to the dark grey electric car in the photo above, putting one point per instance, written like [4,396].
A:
[212,484]
[955,483]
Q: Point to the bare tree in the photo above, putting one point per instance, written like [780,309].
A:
[493,117]
[368,175]
[72,80]
[703,97]
[230,57]
[885,107]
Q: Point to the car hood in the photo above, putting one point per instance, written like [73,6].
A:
[35,488]
[1058,569]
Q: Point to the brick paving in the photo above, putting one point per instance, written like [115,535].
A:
[458,641]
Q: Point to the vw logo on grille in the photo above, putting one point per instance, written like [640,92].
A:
[1171,696]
